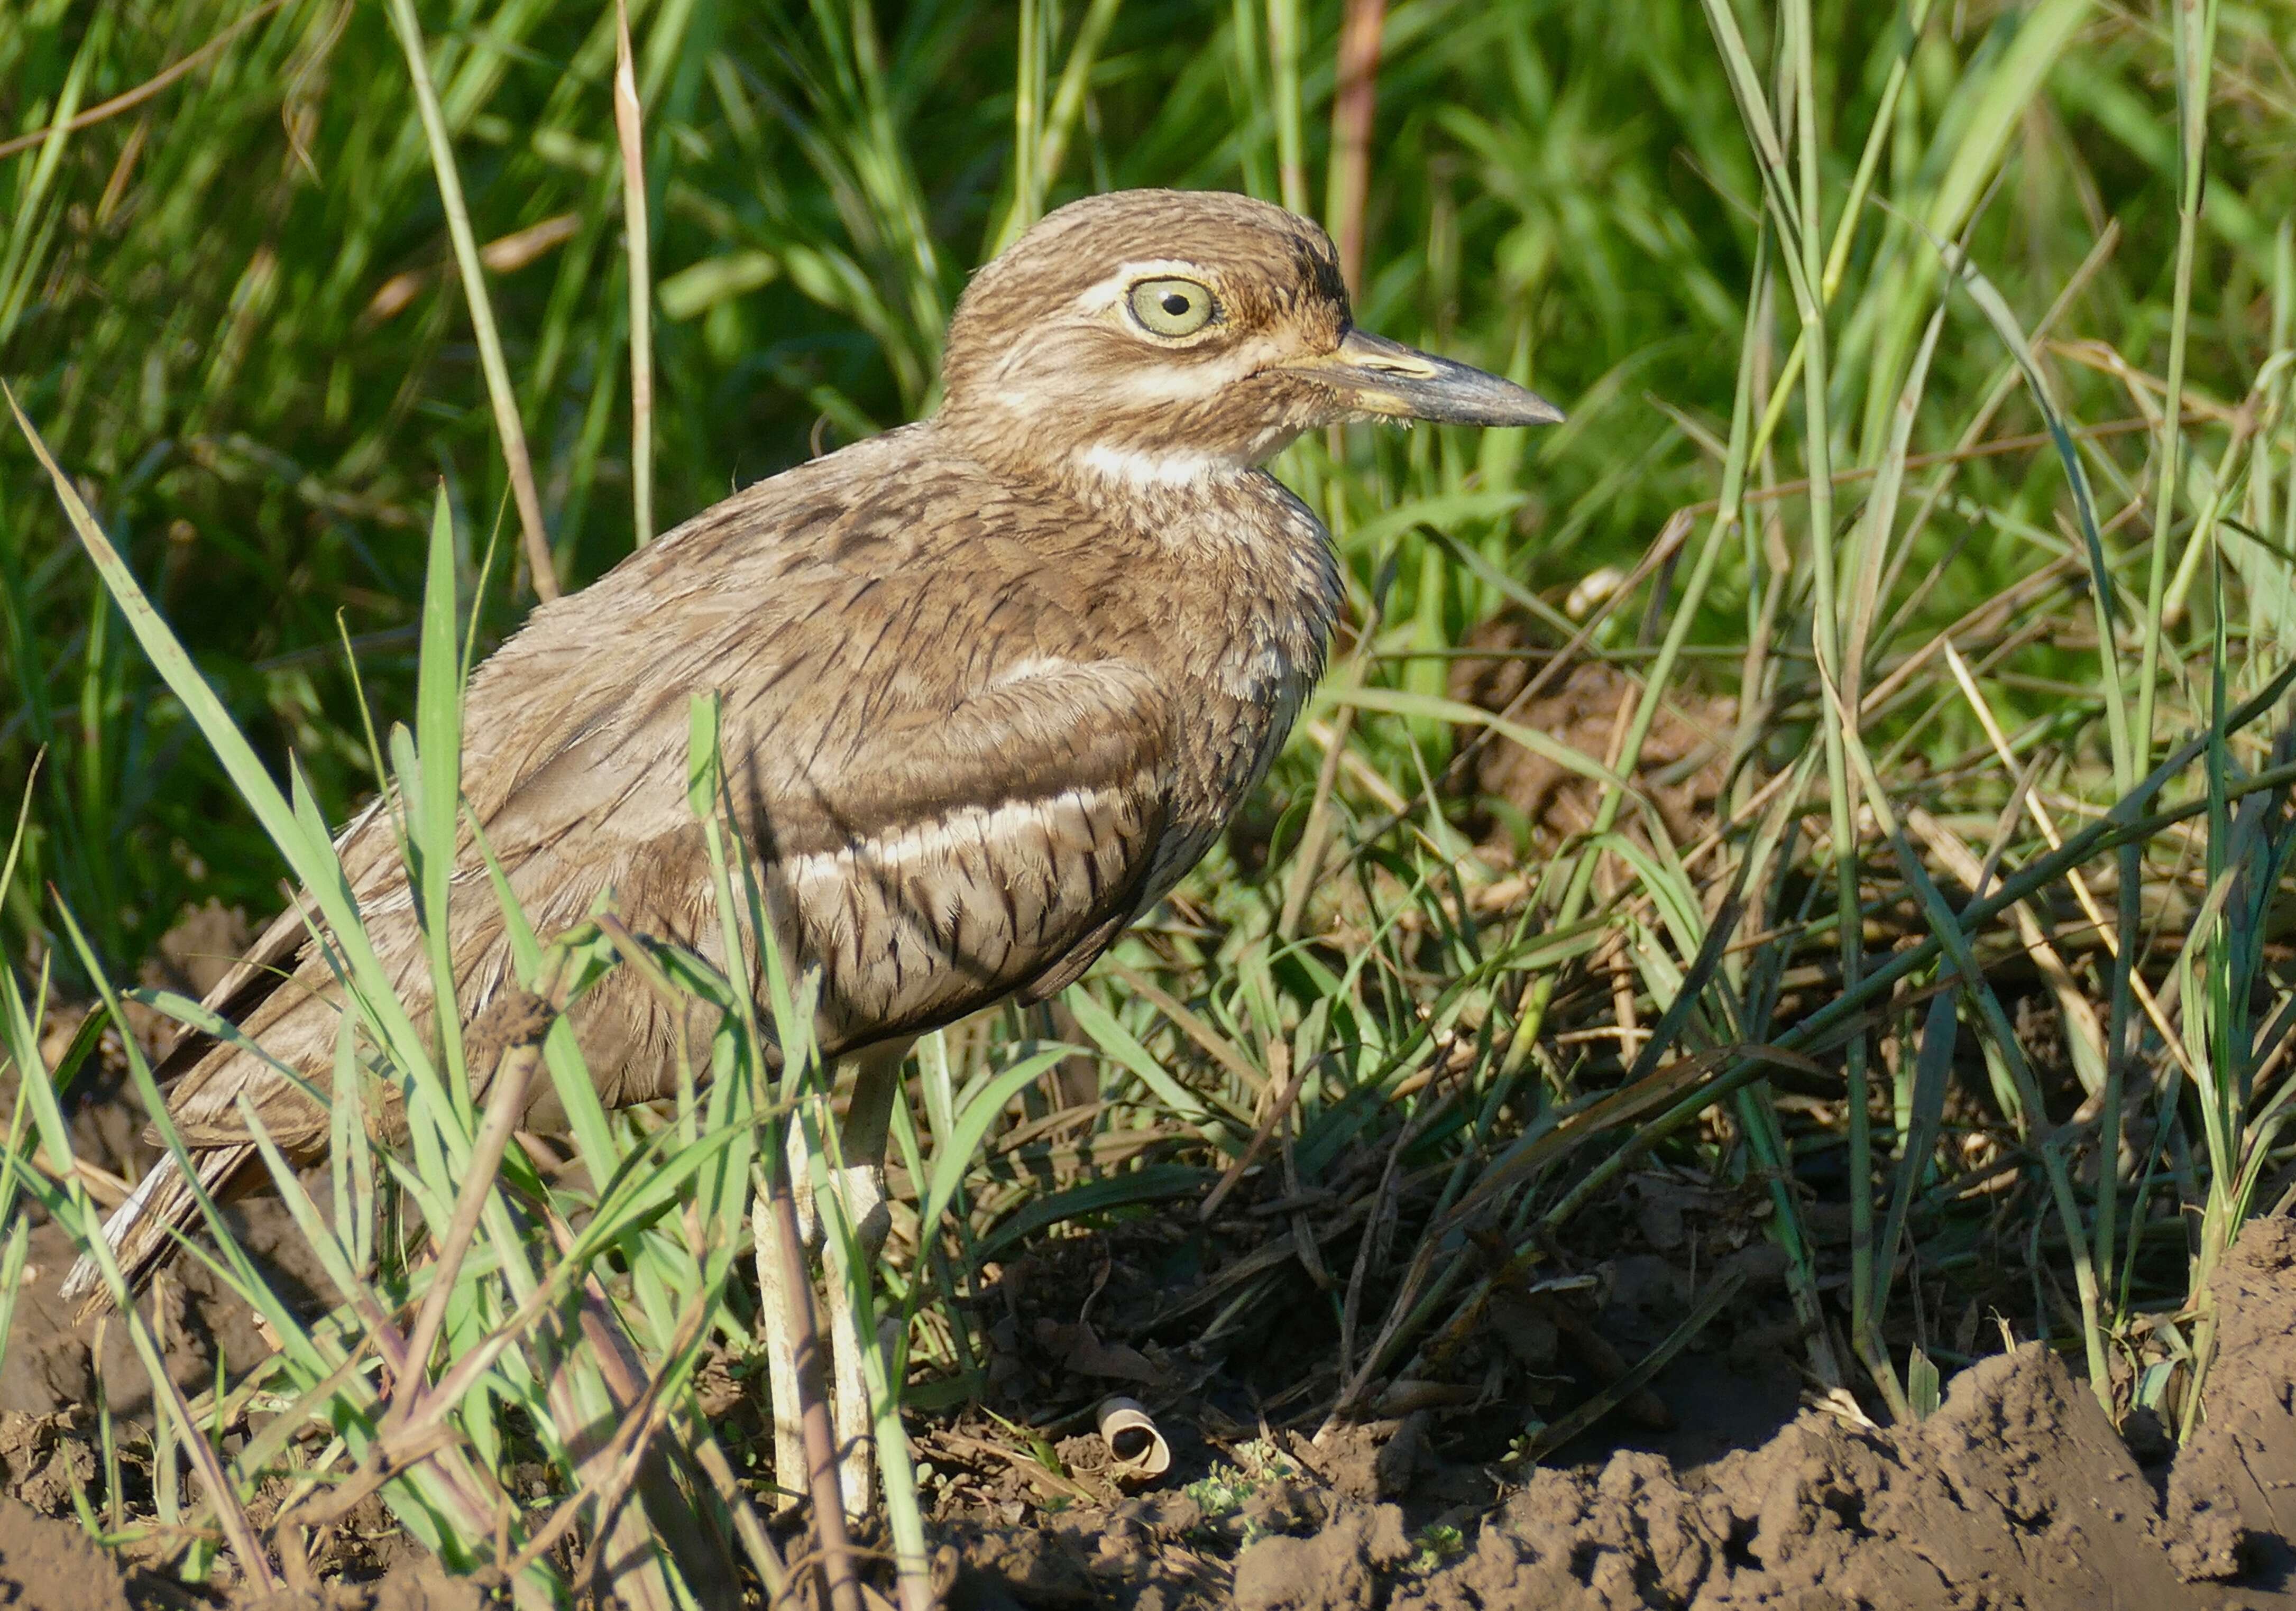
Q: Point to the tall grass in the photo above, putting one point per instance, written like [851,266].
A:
[1929,371]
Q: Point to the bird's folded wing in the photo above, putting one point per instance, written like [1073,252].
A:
[930,859]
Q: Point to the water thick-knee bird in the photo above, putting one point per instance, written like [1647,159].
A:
[991,682]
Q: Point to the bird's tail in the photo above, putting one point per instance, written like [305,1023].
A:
[141,1232]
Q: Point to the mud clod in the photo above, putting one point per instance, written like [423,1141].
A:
[2232,1492]
[1333,1571]
[415,1585]
[50,1565]
[2017,1493]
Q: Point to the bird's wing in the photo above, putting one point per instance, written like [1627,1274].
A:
[930,863]
[269,977]
[977,854]
[954,780]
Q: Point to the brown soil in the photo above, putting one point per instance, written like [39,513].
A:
[55,1363]
[2017,1493]
[1681,767]
[2232,1497]
[48,1565]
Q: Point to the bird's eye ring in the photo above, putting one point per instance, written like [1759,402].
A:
[1173,306]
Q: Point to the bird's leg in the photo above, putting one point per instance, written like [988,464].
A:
[860,1188]
[774,1298]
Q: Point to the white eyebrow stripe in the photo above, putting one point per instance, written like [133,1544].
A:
[1104,294]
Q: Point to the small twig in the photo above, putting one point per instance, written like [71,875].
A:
[505,1105]
[440,1396]
[391,1458]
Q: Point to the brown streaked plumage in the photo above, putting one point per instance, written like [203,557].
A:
[992,683]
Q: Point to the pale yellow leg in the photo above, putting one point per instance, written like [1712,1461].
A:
[860,1188]
[781,1351]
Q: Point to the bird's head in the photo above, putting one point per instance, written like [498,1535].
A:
[1161,336]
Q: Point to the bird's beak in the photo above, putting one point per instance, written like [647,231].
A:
[1370,374]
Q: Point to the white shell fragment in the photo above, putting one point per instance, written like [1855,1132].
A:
[1592,589]
[1137,1448]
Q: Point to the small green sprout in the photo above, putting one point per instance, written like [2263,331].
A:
[1437,1544]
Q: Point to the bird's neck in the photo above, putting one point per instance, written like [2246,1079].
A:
[1111,461]
[1219,535]
[1106,470]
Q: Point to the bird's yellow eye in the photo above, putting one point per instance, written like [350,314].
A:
[1173,308]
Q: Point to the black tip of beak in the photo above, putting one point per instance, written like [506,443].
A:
[1471,396]
[1373,375]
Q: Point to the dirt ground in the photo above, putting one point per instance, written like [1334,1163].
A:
[2017,1493]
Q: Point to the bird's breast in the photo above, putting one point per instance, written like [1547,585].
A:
[1270,599]
[1260,687]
